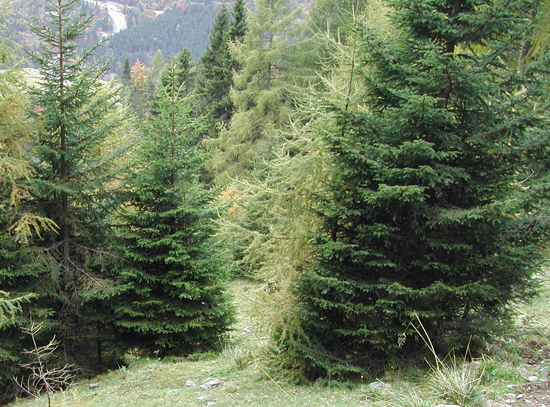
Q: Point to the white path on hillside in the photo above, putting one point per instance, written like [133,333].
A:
[114,9]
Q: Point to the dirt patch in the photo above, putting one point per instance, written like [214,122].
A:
[529,395]
[532,394]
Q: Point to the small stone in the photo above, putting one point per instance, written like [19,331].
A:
[378,386]
[172,392]
[520,396]
[210,404]
[190,383]
[202,398]
[93,385]
[532,379]
[544,372]
[511,386]
[524,372]
[447,405]
[208,384]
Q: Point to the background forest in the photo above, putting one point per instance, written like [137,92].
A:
[379,168]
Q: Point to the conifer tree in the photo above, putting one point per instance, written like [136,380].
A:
[239,25]
[259,93]
[239,29]
[184,75]
[75,115]
[433,211]
[126,73]
[13,171]
[17,224]
[215,72]
[173,300]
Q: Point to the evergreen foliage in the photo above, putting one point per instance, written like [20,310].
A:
[239,25]
[184,73]
[173,299]
[170,31]
[16,224]
[75,115]
[215,72]
[126,73]
[434,208]
[259,93]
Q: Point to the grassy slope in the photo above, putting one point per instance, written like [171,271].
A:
[246,381]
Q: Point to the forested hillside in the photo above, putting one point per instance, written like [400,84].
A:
[379,168]
[167,26]
[172,30]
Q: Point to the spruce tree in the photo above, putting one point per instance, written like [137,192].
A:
[239,29]
[126,73]
[184,75]
[215,72]
[239,25]
[75,115]
[173,300]
[433,209]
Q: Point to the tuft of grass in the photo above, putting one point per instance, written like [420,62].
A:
[451,380]
[458,384]
[241,357]
[409,397]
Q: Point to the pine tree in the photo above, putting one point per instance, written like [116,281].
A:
[433,211]
[75,115]
[173,300]
[215,72]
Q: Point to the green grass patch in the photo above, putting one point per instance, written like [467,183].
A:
[247,379]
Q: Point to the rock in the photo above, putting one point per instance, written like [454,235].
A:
[532,379]
[172,392]
[208,384]
[378,386]
[210,404]
[190,383]
[93,385]
[511,386]
[544,372]
[524,372]
[202,398]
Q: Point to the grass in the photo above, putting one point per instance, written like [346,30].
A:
[247,380]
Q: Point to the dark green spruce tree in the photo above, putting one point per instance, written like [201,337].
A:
[239,27]
[215,72]
[434,211]
[126,72]
[74,114]
[174,300]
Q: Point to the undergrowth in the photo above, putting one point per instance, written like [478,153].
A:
[248,378]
